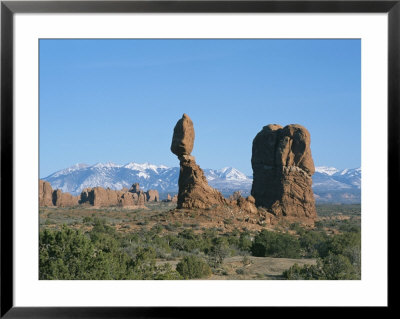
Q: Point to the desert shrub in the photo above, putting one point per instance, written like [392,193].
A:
[192,267]
[87,220]
[177,224]
[342,242]
[349,227]
[218,252]
[332,267]
[307,272]
[245,242]
[336,267]
[273,244]
[170,227]
[101,254]
[165,272]
[314,243]
[69,254]
[246,261]
[233,237]
[241,271]
[297,228]
[186,240]
[319,224]
[228,221]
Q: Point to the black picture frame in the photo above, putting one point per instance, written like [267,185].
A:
[9,8]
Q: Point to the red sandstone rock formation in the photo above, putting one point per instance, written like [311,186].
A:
[194,191]
[282,169]
[183,137]
[50,197]
[104,197]
[61,199]
[96,196]
[152,195]
[100,197]
[135,188]
[45,194]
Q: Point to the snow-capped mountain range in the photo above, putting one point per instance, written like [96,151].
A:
[329,183]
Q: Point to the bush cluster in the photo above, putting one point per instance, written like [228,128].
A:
[274,244]
[339,257]
[97,255]
[192,267]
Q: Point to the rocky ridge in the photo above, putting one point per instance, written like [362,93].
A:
[97,197]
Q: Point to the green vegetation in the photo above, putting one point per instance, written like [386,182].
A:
[70,254]
[192,267]
[274,244]
[339,257]
[77,244]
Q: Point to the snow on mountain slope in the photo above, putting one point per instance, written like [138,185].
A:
[326,170]
[329,183]
[230,173]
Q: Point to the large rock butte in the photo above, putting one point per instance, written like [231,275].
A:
[282,170]
[45,194]
[194,191]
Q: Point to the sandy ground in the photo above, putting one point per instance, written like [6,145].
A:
[262,268]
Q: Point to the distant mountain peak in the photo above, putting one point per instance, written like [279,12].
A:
[106,165]
[231,173]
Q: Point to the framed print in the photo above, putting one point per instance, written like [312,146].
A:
[164,155]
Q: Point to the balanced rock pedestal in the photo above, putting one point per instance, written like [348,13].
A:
[194,191]
[282,172]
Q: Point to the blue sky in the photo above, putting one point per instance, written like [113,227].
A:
[119,100]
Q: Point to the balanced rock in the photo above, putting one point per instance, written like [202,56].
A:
[183,138]
[194,191]
[282,172]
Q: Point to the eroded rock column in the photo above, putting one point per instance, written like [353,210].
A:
[282,171]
